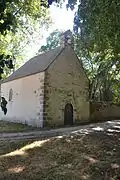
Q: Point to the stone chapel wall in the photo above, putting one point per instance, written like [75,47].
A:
[66,82]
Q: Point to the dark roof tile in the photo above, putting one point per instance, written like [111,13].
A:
[35,65]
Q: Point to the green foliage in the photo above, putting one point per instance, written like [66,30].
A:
[97,26]
[103,73]
[99,23]
[3,105]
[52,41]
[5,62]
[18,21]
[13,13]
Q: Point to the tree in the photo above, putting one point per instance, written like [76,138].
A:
[97,26]
[52,41]
[16,17]
[98,23]
[102,72]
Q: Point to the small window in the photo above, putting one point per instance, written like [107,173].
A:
[10,94]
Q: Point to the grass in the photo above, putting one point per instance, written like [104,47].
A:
[14,127]
[95,156]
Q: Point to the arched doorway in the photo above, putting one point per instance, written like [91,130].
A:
[68,114]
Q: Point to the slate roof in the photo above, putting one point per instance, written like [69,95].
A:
[35,65]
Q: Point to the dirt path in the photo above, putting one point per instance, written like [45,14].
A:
[90,152]
[109,126]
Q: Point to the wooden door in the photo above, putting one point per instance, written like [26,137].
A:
[68,114]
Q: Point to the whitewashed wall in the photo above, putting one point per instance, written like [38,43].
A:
[26,105]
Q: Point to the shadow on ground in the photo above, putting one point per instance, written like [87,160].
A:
[90,154]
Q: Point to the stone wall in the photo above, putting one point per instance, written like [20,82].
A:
[66,82]
[100,111]
[26,104]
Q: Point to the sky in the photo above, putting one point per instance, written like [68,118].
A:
[62,19]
